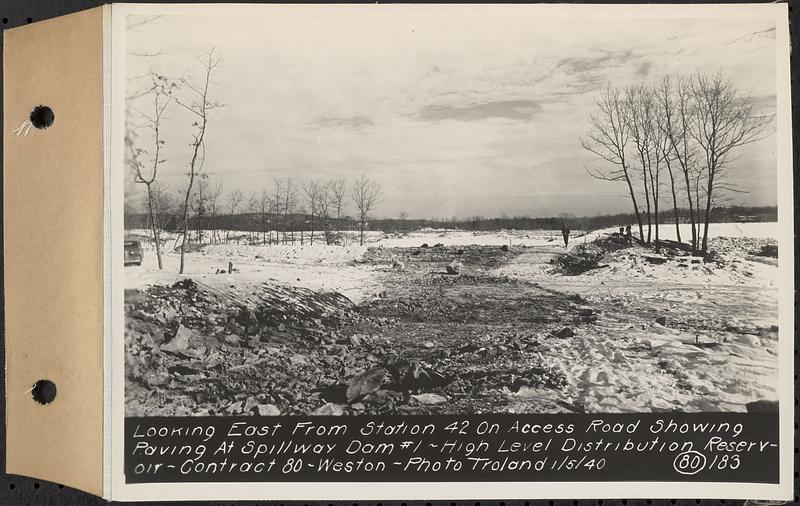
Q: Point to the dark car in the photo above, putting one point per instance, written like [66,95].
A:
[133,253]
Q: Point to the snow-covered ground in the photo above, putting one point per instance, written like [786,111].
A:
[318,267]
[467,238]
[624,362]
[622,366]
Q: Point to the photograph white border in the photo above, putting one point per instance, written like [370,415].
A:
[331,491]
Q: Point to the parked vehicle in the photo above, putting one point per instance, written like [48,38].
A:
[133,253]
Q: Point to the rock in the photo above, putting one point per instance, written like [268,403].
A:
[267,410]
[355,340]
[297,360]
[329,409]
[655,260]
[428,344]
[429,399]
[380,397]
[234,408]
[179,345]
[232,339]
[563,333]
[366,383]
[762,406]
[750,340]
[249,404]
[489,352]
[156,379]
[398,266]
[424,245]
[504,247]
[454,267]
[661,320]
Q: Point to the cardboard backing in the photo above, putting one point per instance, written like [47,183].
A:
[53,237]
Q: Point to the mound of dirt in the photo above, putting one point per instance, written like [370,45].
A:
[487,257]
[585,257]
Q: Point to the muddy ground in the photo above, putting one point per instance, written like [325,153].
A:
[433,342]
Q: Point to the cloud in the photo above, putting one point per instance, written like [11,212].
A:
[579,64]
[349,123]
[643,68]
[522,110]
[768,33]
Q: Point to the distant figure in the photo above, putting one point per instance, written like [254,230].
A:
[622,231]
[628,235]
[565,233]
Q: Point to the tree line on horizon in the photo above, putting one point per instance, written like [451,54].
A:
[262,227]
[681,135]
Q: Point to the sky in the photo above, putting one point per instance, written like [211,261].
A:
[452,115]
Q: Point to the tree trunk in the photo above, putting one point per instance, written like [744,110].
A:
[186,221]
[154,227]
[691,211]
[647,201]
[708,210]
[674,202]
[635,205]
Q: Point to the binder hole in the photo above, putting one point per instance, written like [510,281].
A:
[44,391]
[12,486]
[5,21]
[36,486]
[42,117]
[29,20]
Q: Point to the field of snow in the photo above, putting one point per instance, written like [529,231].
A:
[715,347]
[318,267]
[467,238]
[667,231]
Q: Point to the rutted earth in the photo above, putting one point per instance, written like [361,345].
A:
[509,333]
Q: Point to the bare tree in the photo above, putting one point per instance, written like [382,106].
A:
[146,173]
[278,194]
[199,203]
[609,139]
[724,120]
[289,204]
[638,102]
[338,191]
[366,194]
[264,207]
[324,209]
[252,209]
[214,194]
[199,105]
[311,190]
[666,120]
[234,199]
[164,205]
[319,201]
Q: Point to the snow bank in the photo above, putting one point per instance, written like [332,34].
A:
[294,254]
[667,231]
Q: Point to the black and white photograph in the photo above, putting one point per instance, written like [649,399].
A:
[439,213]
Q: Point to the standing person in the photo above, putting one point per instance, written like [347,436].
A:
[628,235]
[565,233]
